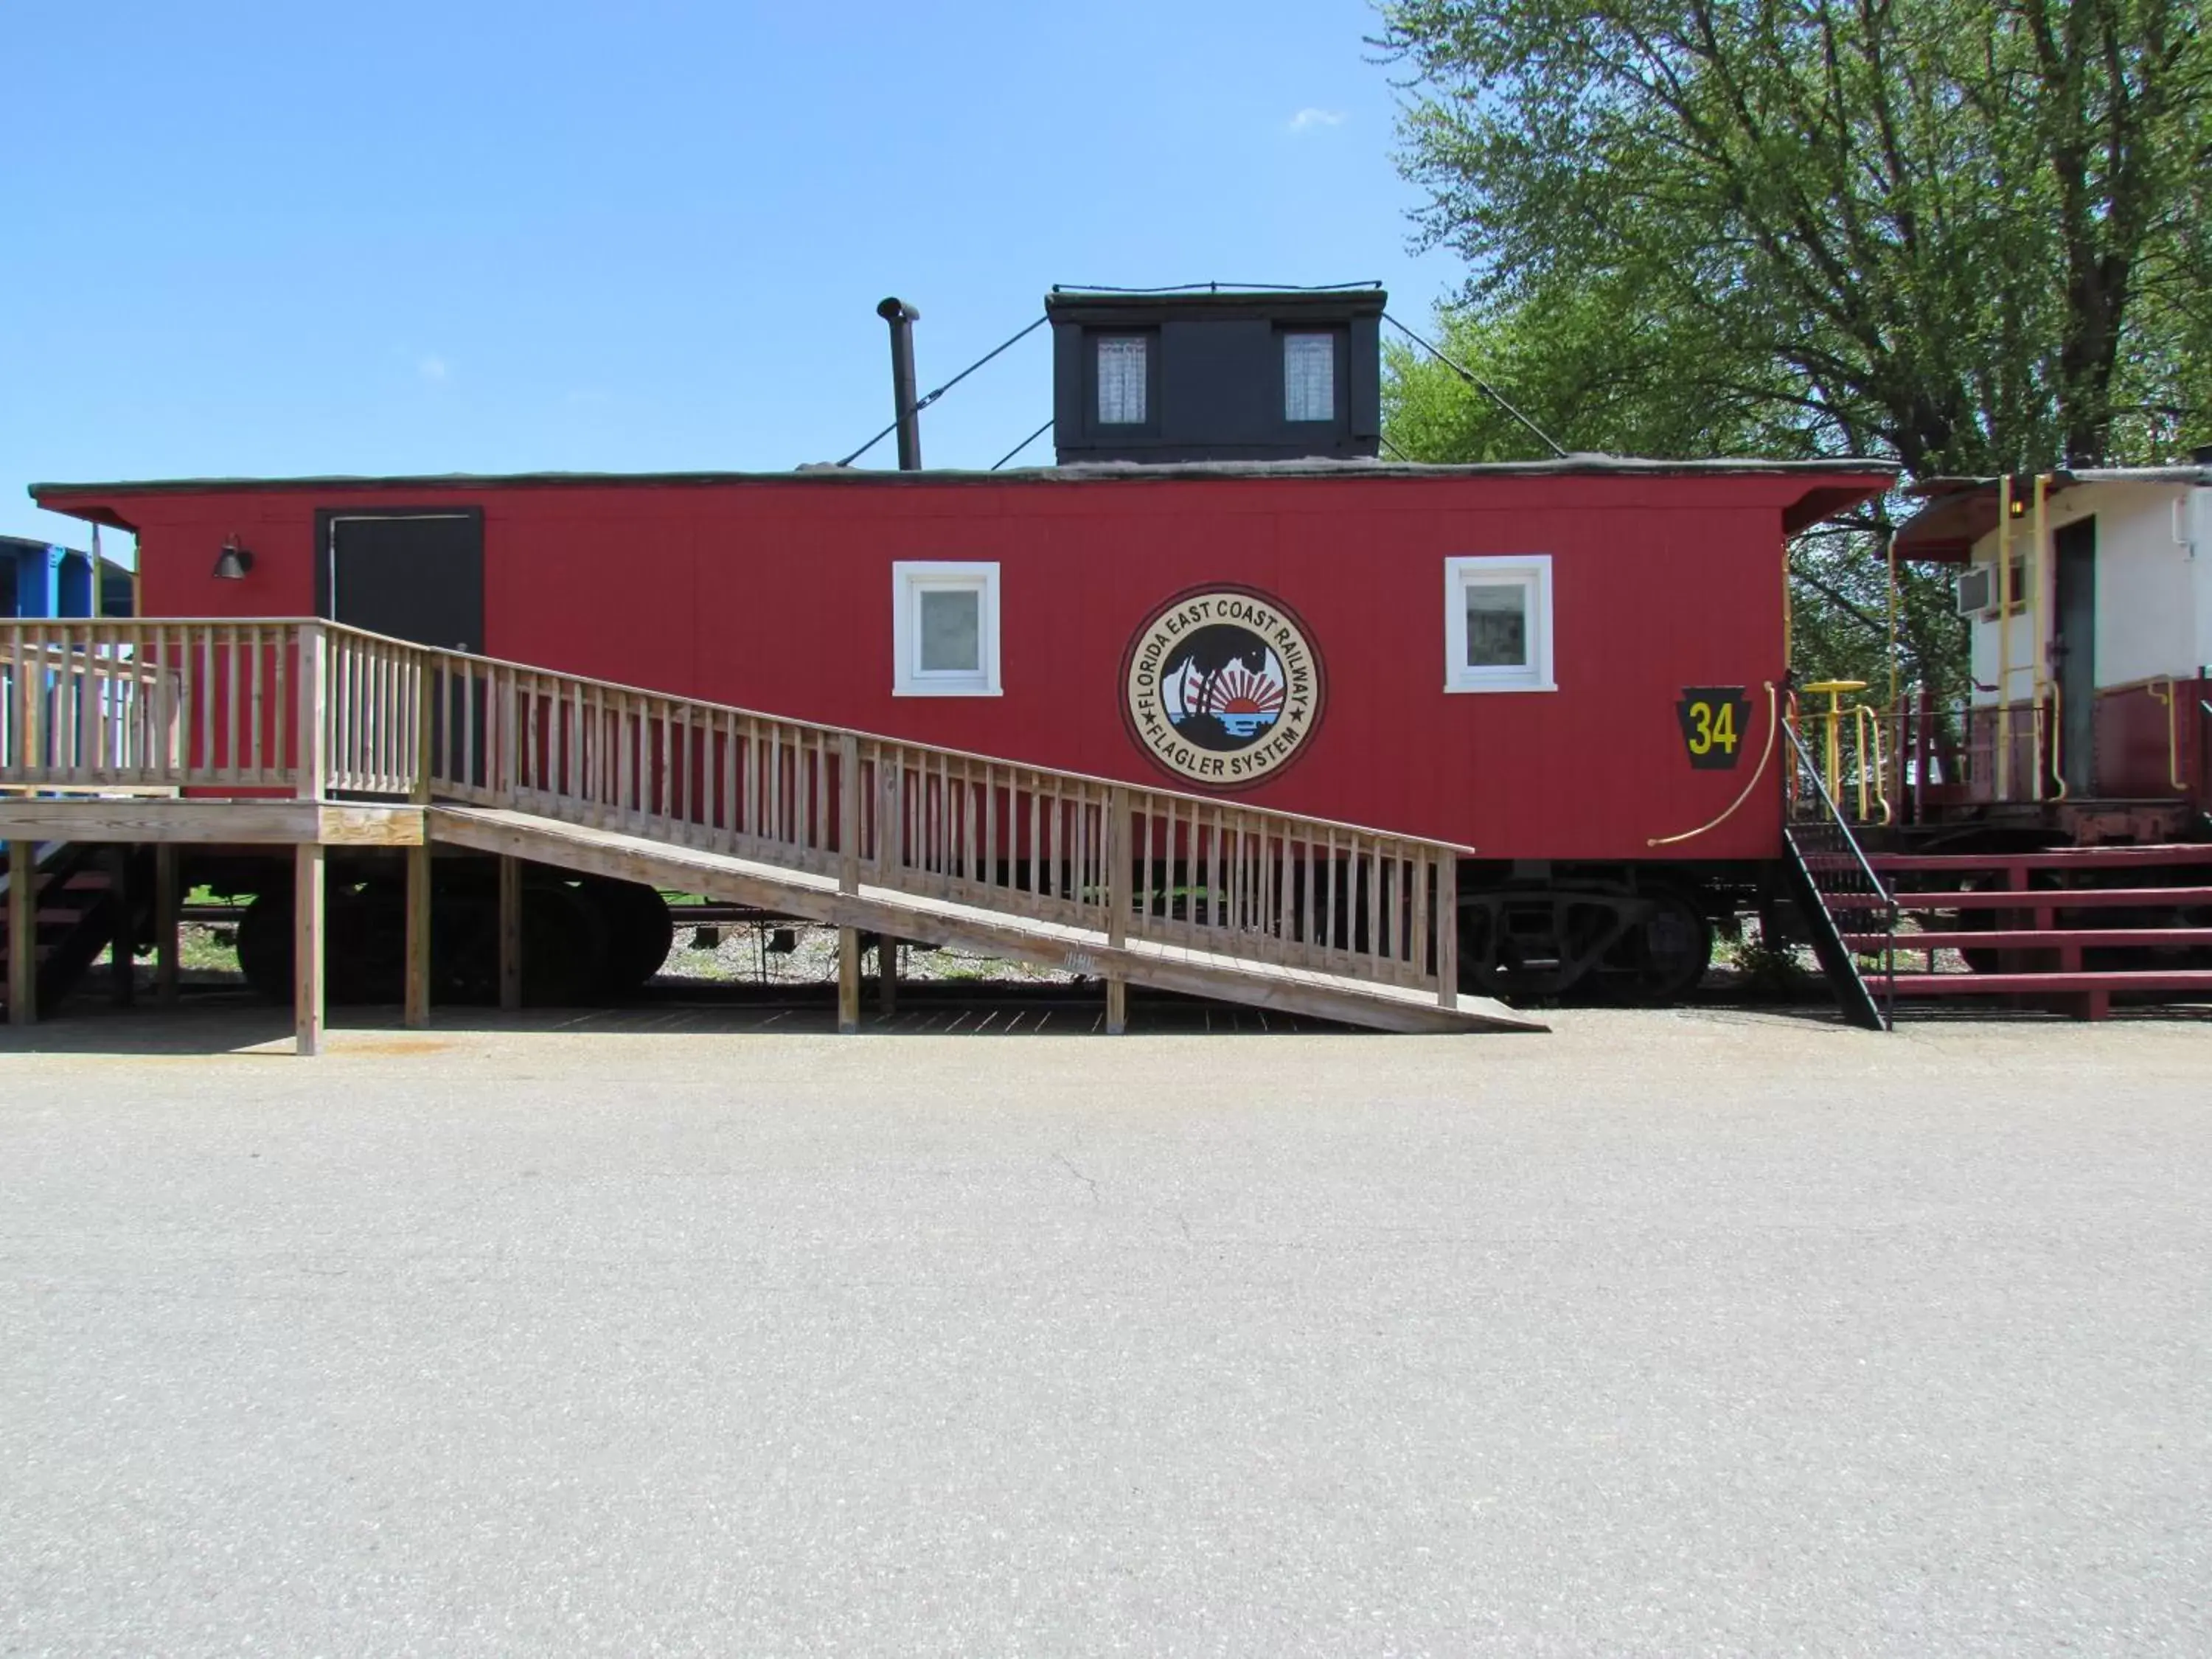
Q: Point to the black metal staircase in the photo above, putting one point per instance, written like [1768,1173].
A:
[83,897]
[1837,892]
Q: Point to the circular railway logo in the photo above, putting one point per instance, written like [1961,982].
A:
[1222,687]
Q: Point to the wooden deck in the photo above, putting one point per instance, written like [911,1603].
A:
[309,735]
[205,822]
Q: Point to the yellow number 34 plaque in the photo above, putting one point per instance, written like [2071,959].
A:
[1714,719]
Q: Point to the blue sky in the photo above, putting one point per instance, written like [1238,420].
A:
[263,240]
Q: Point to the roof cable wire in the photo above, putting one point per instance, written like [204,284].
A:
[924,402]
[1394,448]
[1479,383]
[1020,446]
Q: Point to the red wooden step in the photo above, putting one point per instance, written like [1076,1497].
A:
[2033,938]
[2032,899]
[2050,858]
[1970,985]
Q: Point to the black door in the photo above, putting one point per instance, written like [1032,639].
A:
[414,575]
[2074,647]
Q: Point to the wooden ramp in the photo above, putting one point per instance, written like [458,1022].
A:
[306,733]
[873,909]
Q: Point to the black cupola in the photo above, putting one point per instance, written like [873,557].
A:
[1211,376]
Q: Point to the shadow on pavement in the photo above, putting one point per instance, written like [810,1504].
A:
[227,1020]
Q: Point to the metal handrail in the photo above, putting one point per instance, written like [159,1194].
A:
[1821,790]
[2057,736]
[1880,889]
[2172,702]
[1867,723]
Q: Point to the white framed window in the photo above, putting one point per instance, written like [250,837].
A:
[1310,377]
[944,629]
[1498,623]
[1122,367]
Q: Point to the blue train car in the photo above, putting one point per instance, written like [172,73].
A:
[38,579]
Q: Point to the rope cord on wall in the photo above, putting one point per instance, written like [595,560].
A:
[1020,446]
[924,402]
[1479,383]
[1773,726]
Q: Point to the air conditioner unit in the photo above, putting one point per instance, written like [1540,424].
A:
[1977,589]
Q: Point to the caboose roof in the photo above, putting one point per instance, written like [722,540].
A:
[1845,482]
[1959,512]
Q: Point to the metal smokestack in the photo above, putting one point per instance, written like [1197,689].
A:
[902,317]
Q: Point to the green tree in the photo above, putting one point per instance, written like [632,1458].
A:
[1968,235]
[1601,391]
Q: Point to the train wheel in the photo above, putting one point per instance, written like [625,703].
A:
[265,944]
[364,953]
[1977,921]
[465,943]
[1666,953]
[564,947]
[1484,968]
[640,931]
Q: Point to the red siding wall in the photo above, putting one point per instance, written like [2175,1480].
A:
[2153,737]
[777,595]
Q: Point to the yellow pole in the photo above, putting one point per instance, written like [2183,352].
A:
[1835,691]
[1889,548]
[1896,700]
[1788,621]
[2039,598]
[1835,769]
[2004,638]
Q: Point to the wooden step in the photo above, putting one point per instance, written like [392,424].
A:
[2036,939]
[1993,985]
[2033,898]
[2053,857]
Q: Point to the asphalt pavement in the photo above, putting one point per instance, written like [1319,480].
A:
[1706,1333]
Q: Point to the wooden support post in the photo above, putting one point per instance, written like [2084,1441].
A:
[314,713]
[1446,930]
[848,813]
[424,679]
[22,931]
[168,901]
[887,948]
[307,949]
[510,934]
[1113,859]
[122,936]
[891,827]
[848,980]
[417,1010]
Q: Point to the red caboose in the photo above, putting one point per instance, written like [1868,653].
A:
[1570,665]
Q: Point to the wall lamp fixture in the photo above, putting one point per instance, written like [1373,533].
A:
[233,563]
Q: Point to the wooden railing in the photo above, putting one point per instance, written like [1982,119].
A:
[148,704]
[214,706]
